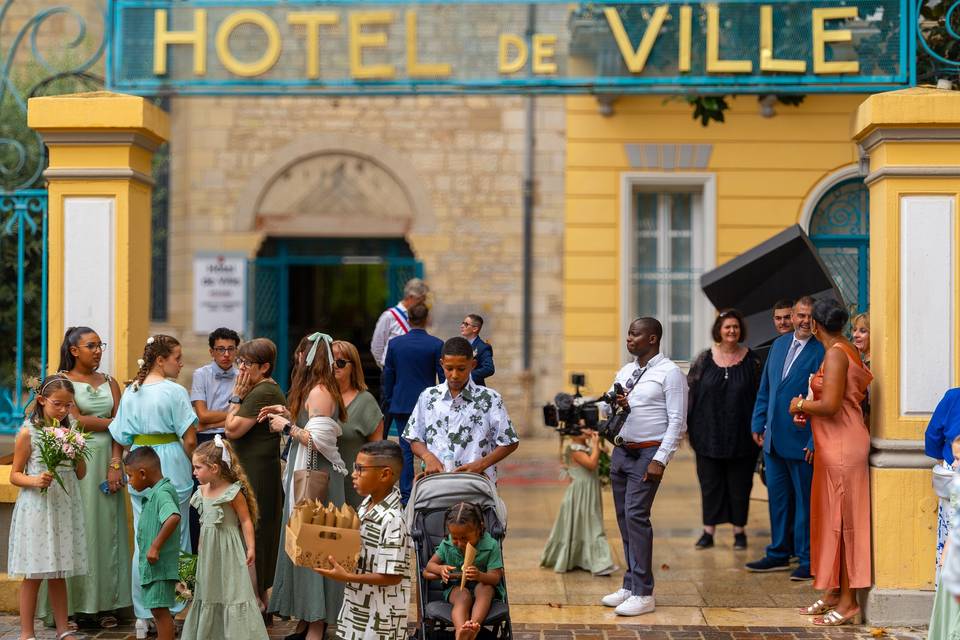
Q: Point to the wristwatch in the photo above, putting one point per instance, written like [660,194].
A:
[800,404]
[287,428]
[235,400]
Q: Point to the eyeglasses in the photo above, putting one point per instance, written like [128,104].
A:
[62,405]
[95,346]
[340,363]
[360,468]
[223,350]
[467,324]
[243,362]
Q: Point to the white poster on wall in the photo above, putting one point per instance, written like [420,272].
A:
[219,291]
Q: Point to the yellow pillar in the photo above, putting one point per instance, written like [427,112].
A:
[912,139]
[101,146]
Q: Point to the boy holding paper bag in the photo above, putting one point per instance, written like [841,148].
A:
[375,598]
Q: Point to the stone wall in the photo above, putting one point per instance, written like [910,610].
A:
[467,155]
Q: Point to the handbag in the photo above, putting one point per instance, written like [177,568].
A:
[310,484]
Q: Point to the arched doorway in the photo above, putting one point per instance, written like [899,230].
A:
[840,229]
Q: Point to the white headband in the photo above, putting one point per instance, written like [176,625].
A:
[225,456]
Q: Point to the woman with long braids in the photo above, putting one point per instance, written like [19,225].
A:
[299,592]
[156,412]
[105,588]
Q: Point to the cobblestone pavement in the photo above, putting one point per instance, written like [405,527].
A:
[9,631]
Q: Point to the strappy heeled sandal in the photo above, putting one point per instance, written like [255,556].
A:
[817,608]
[834,619]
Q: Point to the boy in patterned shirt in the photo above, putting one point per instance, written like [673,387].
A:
[376,597]
[460,425]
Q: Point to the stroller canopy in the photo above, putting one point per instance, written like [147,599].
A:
[442,490]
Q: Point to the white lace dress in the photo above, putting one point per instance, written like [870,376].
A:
[47,537]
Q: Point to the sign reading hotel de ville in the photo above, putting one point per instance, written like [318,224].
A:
[338,47]
[219,291]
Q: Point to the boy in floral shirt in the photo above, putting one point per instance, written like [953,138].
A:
[459,425]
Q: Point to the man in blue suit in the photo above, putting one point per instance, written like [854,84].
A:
[482,351]
[787,449]
[412,365]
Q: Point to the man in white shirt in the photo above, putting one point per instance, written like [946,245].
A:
[655,390]
[393,322]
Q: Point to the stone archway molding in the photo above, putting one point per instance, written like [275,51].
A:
[820,189]
[307,147]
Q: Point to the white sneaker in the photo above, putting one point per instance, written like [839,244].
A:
[616,598]
[636,606]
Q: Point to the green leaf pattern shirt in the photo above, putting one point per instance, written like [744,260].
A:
[467,427]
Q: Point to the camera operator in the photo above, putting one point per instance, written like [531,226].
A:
[655,390]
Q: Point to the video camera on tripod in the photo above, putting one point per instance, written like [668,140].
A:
[570,414]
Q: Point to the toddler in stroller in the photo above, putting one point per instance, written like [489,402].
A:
[446,512]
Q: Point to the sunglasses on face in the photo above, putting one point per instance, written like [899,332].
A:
[340,363]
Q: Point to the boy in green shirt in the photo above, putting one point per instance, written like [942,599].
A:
[158,536]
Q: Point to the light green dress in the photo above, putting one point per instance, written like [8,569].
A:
[945,617]
[106,585]
[224,605]
[577,539]
[299,592]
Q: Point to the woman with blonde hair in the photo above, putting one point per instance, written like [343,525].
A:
[861,335]
[316,401]
[365,423]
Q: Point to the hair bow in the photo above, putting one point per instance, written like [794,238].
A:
[225,456]
[316,338]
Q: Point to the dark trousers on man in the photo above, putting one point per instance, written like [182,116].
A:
[633,499]
[788,489]
[194,515]
[406,474]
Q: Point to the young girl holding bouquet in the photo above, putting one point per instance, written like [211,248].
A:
[224,603]
[47,540]
[578,539]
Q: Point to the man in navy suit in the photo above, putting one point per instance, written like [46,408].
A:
[787,448]
[412,365]
[482,351]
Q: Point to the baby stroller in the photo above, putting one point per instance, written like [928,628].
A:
[431,497]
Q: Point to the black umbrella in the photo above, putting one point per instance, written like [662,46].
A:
[785,266]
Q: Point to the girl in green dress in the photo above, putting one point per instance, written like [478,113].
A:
[577,540]
[105,588]
[224,604]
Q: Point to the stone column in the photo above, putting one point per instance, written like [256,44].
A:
[101,147]
[912,139]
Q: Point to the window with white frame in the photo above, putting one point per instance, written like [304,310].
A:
[666,259]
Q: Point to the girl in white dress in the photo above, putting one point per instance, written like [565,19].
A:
[47,538]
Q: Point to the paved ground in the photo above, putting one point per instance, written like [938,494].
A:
[700,594]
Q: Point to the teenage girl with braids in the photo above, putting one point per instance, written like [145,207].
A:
[464,524]
[224,603]
[156,412]
[106,586]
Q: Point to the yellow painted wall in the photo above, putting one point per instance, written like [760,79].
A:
[765,168]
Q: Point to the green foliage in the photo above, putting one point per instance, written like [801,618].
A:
[603,467]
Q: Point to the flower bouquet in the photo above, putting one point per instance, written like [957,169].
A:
[188,577]
[59,444]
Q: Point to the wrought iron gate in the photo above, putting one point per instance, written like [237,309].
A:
[23,299]
[840,229]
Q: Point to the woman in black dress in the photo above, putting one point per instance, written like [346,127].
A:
[723,384]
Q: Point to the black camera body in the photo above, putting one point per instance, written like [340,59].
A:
[570,414]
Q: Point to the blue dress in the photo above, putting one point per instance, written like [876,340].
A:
[157,409]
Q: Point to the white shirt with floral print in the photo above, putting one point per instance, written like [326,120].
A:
[467,427]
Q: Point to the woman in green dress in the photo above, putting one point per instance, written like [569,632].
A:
[259,450]
[365,420]
[299,592]
[96,596]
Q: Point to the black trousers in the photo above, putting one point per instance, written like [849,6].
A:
[725,485]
